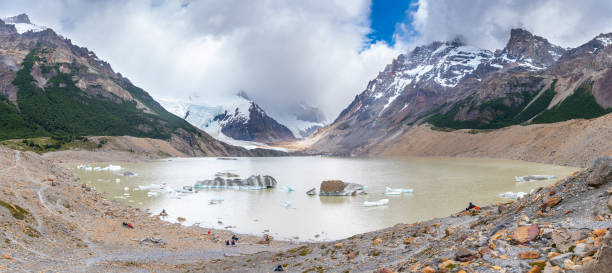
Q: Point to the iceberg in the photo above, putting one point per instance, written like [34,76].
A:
[340,188]
[217,199]
[534,177]
[390,191]
[287,204]
[254,182]
[512,195]
[380,202]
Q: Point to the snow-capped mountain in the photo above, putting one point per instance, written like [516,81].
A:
[240,119]
[22,24]
[454,85]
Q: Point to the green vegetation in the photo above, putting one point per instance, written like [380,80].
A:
[61,109]
[49,144]
[538,105]
[18,212]
[506,111]
[581,104]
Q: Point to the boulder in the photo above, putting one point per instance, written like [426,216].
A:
[339,188]
[603,257]
[525,234]
[254,182]
[463,254]
[529,255]
[601,171]
[565,238]
[610,204]
[559,259]
[550,202]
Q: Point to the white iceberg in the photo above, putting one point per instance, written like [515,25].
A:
[153,193]
[117,180]
[289,189]
[534,177]
[217,199]
[380,202]
[512,195]
[390,191]
[126,189]
[287,204]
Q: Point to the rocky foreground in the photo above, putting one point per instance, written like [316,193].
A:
[52,222]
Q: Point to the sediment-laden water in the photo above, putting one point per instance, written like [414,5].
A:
[441,186]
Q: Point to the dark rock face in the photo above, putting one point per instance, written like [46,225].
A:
[257,126]
[523,45]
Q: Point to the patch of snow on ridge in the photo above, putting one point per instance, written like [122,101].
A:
[605,41]
[23,27]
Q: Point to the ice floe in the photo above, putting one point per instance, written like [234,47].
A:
[380,202]
[390,191]
[534,177]
[512,195]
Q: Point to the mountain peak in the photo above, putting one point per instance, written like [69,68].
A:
[18,19]
[524,46]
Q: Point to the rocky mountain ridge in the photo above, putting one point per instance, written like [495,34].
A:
[51,87]
[456,86]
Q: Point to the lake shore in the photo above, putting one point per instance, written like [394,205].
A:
[52,221]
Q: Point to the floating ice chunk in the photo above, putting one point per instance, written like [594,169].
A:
[289,189]
[512,195]
[85,168]
[390,191]
[117,180]
[153,193]
[534,177]
[380,202]
[217,199]
[287,204]
[126,189]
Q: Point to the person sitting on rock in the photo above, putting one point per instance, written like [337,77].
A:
[235,238]
[233,242]
[227,243]
[279,268]
[472,206]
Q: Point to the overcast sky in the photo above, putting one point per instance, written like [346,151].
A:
[322,52]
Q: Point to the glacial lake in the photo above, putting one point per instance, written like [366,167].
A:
[442,186]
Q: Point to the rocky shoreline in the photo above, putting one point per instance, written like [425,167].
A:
[54,222]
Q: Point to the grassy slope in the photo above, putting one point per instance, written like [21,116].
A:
[62,109]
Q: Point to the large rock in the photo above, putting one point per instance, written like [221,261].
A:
[254,182]
[339,188]
[564,238]
[525,234]
[603,257]
[463,254]
[601,171]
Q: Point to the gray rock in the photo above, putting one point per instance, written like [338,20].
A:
[312,191]
[564,238]
[610,203]
[463,254]
[582,250]
[558,260]
[547,233]
[601,171]
[603,258]
[128,174]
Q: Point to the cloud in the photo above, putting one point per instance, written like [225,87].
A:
[279,52]
[487,24]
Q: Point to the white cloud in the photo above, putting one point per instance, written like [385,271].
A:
[278,51]
[487,24]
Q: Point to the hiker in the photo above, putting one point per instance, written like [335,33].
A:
[128,225]
[163,213]
[472,206]
[233,242]
[227,242]
[235,238]
[279,268]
